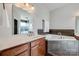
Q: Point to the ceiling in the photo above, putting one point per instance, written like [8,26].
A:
[50,6]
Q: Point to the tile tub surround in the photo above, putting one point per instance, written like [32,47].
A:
[67,32]
[64,48]
[15,40]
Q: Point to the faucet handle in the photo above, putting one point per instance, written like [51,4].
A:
[59,33]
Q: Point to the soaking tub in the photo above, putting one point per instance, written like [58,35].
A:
[59,45]
[58,37]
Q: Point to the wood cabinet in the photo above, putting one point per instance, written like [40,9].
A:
[14,51]
[34,48]
[38,47]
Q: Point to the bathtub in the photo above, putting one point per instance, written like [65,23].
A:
[62,45]
[58,37]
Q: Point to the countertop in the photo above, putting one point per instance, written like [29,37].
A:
[8,42]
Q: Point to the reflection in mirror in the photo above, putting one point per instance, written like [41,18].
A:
[22,21]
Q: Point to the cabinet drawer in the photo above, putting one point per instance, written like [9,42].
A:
[25,53]
[15,50]
[36,42]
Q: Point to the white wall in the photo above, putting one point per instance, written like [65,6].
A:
[39,14]
[1,10]
[5,27]
[64,17]
[77,26]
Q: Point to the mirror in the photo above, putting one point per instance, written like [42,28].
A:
[77,25]
[22,21]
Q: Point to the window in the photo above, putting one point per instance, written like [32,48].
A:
[25,26]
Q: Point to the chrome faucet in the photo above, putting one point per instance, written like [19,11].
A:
[60,34]
[30,33]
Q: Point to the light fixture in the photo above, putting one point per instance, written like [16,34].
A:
[32,8]
[25,6]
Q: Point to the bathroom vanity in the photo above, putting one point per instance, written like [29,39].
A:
[23,46]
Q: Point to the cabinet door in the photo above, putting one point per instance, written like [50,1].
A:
[41,50]
[34,50]
[42,47]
